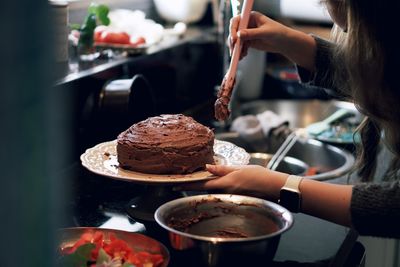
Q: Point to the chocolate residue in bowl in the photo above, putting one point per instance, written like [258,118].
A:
[216,218]
[197,203]
[183,224]
[231,233]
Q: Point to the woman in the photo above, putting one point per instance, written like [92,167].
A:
[361,66]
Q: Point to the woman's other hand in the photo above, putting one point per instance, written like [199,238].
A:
[262,33]
[269,35]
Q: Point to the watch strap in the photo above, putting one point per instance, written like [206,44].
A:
[290,195]
[293,182]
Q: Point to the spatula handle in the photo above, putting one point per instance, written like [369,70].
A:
[244,21]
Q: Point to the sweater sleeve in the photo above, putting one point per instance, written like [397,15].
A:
[375,209]
[324,73]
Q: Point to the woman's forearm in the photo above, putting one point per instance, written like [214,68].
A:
[320,199]
[327,201]
[300,48]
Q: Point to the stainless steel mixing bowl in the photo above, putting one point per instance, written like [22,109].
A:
[225,229]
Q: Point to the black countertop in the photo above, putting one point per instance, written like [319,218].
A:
[76,69]
[97,201]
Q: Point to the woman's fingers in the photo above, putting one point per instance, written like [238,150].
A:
[214,183]
[221,170]
[251,34]
[245,47]
[233,28]
[230,44]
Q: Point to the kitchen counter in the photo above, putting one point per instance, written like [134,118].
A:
[75,69]
[97,201]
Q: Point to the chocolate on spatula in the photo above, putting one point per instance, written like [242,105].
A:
[221,105]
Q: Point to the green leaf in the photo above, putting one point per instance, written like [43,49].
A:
[89,22]
[92,9]
[97,14]
[103,257]
[101,12]
[87,30]
[79,258]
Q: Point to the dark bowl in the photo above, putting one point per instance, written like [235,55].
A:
[224,229]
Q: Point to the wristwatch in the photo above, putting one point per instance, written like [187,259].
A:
[290,195]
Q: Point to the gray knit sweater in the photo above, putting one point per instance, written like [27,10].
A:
[375,207]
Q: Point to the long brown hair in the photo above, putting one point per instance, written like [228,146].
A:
[371,57]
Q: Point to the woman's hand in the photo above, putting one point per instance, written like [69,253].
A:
[262,33]
[249,179]
[268,35]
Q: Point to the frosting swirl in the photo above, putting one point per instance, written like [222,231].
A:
[165,144]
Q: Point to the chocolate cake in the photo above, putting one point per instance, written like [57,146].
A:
[166,144]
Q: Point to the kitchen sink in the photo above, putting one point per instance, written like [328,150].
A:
[299,113]
[288,164]
[307,156]
[323,161]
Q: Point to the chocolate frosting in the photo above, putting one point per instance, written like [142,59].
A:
[166,144]
[221,106]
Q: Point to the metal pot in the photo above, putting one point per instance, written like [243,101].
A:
[224,229]
[132,99]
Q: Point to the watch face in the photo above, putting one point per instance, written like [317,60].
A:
[290,199]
